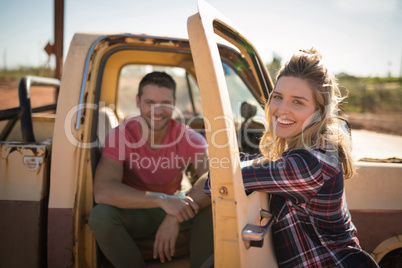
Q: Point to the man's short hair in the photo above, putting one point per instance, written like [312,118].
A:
[160,79]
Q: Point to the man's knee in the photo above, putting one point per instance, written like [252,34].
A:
[205,214]
[203,222]
[102,215]
[202,239]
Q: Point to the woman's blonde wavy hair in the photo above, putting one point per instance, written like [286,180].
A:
[325,126]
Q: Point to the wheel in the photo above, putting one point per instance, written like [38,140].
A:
[392,260]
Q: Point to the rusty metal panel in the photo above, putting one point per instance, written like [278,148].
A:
[24,180]
[24,171]
[23,233]
[60,237]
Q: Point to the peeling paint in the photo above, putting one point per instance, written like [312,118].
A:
[119,40]
[20,178]
[22,148]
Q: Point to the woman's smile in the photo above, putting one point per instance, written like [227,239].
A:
[284,122]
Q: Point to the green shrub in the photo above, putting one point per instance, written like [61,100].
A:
[370,94]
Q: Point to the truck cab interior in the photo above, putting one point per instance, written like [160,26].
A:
[120,72]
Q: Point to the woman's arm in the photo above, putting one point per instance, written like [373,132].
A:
[297,176]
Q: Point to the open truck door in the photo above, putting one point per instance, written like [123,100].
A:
[241,223]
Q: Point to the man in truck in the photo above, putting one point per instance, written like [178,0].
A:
[138,179]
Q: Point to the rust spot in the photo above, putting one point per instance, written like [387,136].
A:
[85,101]
[160,41]
[118,40]
[34,151]
[13,149]
[184,44]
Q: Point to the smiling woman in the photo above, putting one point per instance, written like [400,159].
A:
[306,157]
[313,92]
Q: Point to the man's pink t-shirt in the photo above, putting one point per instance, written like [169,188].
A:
[158,170]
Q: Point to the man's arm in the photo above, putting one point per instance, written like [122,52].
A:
[201,165]
[197,191]
[110,189]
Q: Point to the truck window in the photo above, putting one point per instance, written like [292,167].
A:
[130,77]
[239,93]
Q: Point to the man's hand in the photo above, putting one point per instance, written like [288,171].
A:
[180,206]
[165,238]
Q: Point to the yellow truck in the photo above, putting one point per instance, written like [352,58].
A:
[49,153]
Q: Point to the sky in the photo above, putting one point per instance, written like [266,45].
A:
[359,37]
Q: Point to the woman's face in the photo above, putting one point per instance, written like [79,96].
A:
[292,106]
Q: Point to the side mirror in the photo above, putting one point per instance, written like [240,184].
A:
[248,110]
[345,126]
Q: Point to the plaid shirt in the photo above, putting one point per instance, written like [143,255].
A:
[314,227]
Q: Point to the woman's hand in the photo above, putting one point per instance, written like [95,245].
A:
[260,161]
[180,206]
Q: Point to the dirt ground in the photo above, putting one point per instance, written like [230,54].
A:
[381,122]
[9,95]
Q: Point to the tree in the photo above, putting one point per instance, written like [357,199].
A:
[274,66]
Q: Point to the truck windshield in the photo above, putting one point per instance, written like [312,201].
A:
[188,102]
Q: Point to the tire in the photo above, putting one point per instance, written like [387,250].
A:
[392,260]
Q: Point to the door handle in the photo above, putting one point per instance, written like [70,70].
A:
[253,235]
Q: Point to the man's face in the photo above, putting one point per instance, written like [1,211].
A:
[156,106]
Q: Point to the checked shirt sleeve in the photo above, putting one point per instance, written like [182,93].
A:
[297,176]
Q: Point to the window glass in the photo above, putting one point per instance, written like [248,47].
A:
[239,93]
[130,77]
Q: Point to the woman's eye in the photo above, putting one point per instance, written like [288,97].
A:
[297,102]
[277,97]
